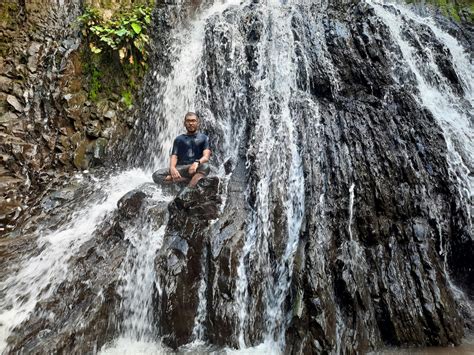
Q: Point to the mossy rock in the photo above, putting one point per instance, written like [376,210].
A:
[90,153]
[82,159]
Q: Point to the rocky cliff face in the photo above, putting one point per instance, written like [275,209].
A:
[35,39]
[49,125]
[384,226]
[338,219]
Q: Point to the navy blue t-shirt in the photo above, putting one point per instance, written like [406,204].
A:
[190,148]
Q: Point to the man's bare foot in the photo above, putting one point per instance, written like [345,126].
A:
[169,180]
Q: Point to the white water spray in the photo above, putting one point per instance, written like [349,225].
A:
[38,277]
[444,104]
[280,177]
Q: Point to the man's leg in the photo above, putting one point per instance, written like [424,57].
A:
[169,179]
[195,179]
[202,171]
[163,175]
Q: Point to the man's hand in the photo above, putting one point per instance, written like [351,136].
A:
[175,173]
[192,169]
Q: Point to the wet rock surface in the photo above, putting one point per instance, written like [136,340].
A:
[179,264]
[384,233]
[87,305]
[47,121]
[366,275]
[92,288]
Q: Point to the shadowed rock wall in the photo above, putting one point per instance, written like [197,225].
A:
[384,230]
[48,124]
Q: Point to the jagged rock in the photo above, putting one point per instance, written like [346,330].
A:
[202,201]
[90,152]
[58,198]
[129,205]
[100,150]
[110,114]
[8,118]
[13,101]
[93,128]
[33,63]
[178,264]
[383,232]
[96,322]
[76,138]
[5,83]
[34,48]
[81,157]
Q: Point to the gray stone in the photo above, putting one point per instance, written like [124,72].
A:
[8,118]
[100,149]
[129,205]
[34,48]
[5,83]
[110,114]
[33,63]
[13,101]
[93,128]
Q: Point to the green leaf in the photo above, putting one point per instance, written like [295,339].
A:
[94,49]
[147,19]
[136,27]
[122,32]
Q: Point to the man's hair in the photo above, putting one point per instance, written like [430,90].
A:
[190,114]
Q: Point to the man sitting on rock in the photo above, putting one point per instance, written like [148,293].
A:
[189,157]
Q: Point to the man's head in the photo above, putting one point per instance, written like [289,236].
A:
[191,122]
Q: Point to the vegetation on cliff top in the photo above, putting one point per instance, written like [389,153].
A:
[456,9]
[115,45]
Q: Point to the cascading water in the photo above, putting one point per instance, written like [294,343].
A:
[311,268]
[38,277]
[280,181]
[453,111]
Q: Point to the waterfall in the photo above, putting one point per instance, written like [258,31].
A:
[322,260]
[199,328]
[38,277]
[452,111]
[351,209]
[278,178]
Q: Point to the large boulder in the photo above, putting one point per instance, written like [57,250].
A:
[183,258]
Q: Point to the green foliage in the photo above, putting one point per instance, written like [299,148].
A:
[116,50]
[125,32]
[456,9]
[95,83]
[127,98]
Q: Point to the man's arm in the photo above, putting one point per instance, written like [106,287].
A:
[206,155]
[173,171]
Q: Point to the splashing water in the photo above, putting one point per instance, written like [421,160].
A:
[39,276]
[280,178]
[453,115]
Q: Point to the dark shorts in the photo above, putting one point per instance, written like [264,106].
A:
[160,175]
